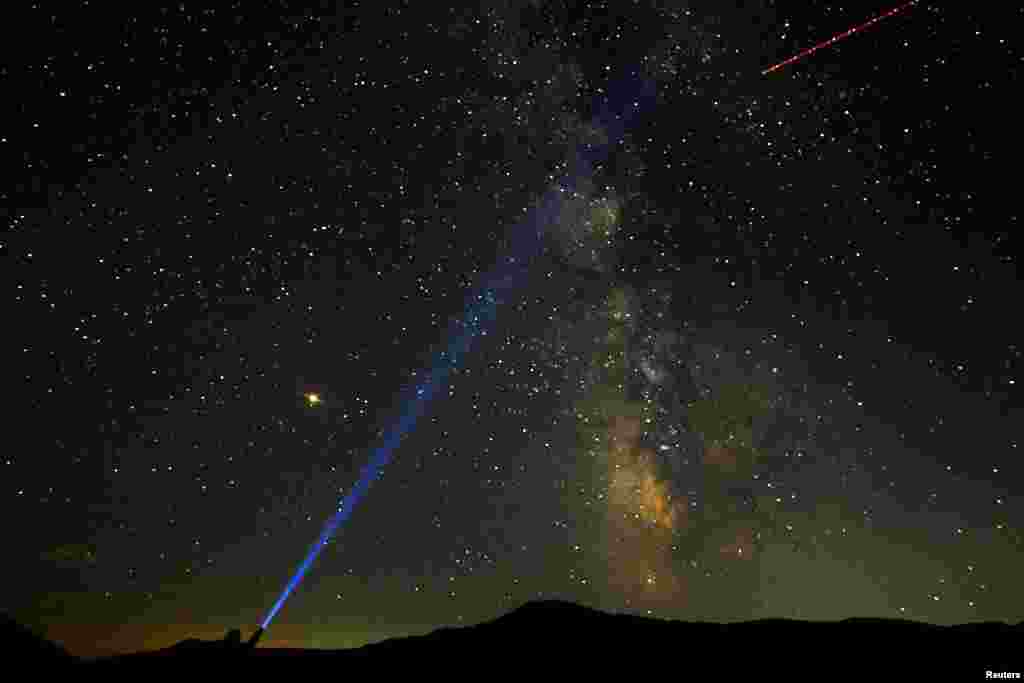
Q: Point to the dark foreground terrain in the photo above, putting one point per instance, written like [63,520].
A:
[543,637]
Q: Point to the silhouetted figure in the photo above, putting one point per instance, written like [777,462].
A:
[255,638]
[233,640]
[21,646]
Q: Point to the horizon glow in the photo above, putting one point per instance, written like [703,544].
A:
[623,103]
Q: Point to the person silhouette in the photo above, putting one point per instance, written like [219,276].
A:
[255,638]
[233,640]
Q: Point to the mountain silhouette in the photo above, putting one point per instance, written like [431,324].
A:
[21,646]
[541,635]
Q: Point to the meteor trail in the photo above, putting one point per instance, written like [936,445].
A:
[838,37]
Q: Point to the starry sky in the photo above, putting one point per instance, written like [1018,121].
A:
[747,351]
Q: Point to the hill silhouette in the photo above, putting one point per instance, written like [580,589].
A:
[560,634]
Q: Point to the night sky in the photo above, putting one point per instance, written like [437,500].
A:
[751,351]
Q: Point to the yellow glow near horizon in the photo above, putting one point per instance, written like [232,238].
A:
[312,399]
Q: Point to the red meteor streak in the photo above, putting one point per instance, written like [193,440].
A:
[838,37]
